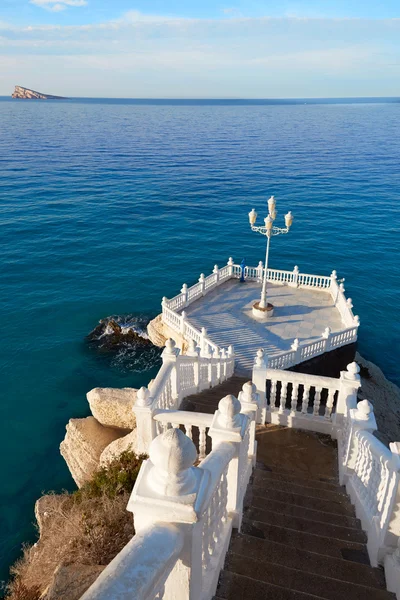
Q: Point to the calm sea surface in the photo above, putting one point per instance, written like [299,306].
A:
[107,206]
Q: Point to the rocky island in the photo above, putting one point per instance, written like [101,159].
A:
[27,94]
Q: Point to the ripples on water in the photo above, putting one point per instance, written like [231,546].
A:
[106,207]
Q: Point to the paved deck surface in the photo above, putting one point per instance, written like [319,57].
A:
[226,314]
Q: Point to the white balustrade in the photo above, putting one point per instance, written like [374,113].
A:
[183,514]
[196,426]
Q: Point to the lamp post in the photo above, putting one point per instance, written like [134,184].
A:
[263,309]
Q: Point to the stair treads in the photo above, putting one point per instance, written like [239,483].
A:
[307,541]
[341,508]
[306,525]
[298,511]
[274,476]
[294,579]
[299,473]
[310,562]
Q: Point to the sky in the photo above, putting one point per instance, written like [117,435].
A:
[201,49]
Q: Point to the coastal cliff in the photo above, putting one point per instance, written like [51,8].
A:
[27,94]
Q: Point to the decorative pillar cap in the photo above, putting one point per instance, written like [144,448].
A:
[216,269]
[203,331]
[231,351]
[229,413]
[202,277]
[192,349]
[173,455]
[327,332]
[261,264]
[352,371]
[349,302]
[334,274]
[143,397]
[295,345]
[249,392]
[184,288]
[296,269]
[356,320]
[364,410]
[261,359]
[230,261]
[341,287]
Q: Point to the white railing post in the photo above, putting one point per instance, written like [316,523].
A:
[327,337]
[203,342]
[230,265]
[249,401]
[202,281]
[347,397]
[216,274]
[259,378]
[193,351]
[296,348]
[334,286]
[168,489]
[295,278]
[229,425]
[170,355]
[231,365]
[183,323]
[361,418]
[184,291]
[145,425]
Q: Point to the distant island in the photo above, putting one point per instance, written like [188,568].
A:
[27,94]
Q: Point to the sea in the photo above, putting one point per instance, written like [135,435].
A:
[108,205]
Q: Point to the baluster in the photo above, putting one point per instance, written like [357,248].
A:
[282,403]
[188,431]
[329,403]
[272,397]
[306,397]
[295,395]
[202,443]
[317,400]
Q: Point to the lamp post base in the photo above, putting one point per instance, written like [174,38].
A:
[262,314]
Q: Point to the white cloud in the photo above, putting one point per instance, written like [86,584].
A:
[58,5]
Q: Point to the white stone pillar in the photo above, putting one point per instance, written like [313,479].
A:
[203,343]
[167,490]
[295,347]
[259,379]
[326,334]
[361,418]
[184,291]
[249,402]
[260,270]
[202,283]
[230,265]
[145,424]
[183,323]
[295,278]
[170,355]
[193,351]
[228,425]
[347,397]
[216,274]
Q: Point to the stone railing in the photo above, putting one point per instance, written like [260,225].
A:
[179,377]
[301,400]
[299,352]
[184,514]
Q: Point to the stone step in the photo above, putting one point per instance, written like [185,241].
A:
[306,561]
[298,473]
[300,581]
[293,488]
[331,506]
[338,548]
[237,587]
[305,525]
[266,477]
[298,511]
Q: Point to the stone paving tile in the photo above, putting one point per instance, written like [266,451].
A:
[226,314]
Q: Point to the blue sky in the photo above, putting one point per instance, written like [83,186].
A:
[252,49]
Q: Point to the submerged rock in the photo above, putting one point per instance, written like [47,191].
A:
[83,444]
[113,407]
[114,333]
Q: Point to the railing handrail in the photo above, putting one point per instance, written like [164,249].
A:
[330,383]
[140,570]
[160,380]
[183,417]
[215,464]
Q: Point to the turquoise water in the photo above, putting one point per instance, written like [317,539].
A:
[106,206]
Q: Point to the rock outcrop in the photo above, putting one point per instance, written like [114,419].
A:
[113,407]
[83,444]
[113,450]
[27,94]
[70,581]
[113,334]
[385,398]
[159,332]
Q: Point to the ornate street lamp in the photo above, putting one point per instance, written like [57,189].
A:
[262,310]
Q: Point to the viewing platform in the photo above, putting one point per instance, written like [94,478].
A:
[311,315]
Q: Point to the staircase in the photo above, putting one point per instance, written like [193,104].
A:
[207,401]
[300,539]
